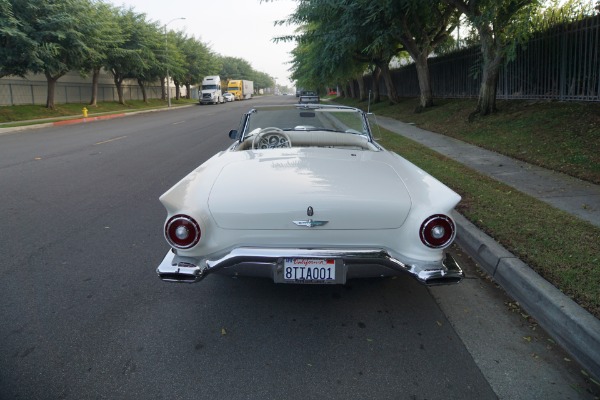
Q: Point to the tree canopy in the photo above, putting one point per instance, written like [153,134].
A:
[55,37]
[341,40]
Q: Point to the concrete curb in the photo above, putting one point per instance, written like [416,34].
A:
[62,122]
[6,131]
[574,328]
[88,119]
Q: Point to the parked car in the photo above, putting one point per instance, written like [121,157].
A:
[308,97]
[306,195]
[228,96]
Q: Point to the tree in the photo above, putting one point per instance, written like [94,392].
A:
[556,12]
[150,42]
[500,25]
[346,42]
[105,36]
[419,26]
[126,61]
[198,62]
[305,68]
[235,68]
[262,80]
[17,50]
[57,29]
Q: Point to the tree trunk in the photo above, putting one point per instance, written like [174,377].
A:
[51,88]
[95,76]
[143,87]
[119,84]
[375,86]
[419,47]
[50,94]
[486,103]
[163,88]
[387,77]
[492,58]
[188,91]
[177,90]
[362,96]
[426,96]
[351,89]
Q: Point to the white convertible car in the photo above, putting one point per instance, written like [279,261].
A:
[306,195]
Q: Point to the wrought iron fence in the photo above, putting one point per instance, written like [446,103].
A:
[561,63]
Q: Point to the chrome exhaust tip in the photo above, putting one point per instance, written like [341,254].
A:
[180,271]
[450,275]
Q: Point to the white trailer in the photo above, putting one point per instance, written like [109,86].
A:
[247,89]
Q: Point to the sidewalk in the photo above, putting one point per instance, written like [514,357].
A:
[574,328]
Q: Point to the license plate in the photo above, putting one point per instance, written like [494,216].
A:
[309,270]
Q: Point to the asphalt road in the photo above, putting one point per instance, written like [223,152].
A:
[84,316]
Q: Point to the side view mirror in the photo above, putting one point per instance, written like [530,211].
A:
[233,134]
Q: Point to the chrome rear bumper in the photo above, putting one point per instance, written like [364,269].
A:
[355,263]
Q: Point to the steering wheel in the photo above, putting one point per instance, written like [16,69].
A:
[271,138]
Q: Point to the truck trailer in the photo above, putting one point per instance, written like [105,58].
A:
[241,89]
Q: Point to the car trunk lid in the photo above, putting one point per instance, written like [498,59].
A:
[291,189]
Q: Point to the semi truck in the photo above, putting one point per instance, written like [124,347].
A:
[241,89]
[211,90]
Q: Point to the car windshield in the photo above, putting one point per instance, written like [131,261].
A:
[308,118]
[305,125]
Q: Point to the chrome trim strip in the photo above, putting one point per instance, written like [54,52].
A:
[310,223]
[184,269]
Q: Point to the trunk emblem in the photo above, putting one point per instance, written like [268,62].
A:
[310,212]
[310,223]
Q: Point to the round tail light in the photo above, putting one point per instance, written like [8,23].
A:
[182,231]
[437,231]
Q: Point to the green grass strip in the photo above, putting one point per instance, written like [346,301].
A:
[18,113]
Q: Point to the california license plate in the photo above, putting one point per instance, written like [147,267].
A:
[309,270]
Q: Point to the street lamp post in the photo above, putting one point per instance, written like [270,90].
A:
[167,60]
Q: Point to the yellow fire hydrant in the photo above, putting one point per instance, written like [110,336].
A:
[84,112]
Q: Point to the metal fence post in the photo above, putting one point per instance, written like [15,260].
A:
[563,68]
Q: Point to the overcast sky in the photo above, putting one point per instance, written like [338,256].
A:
[236,28]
